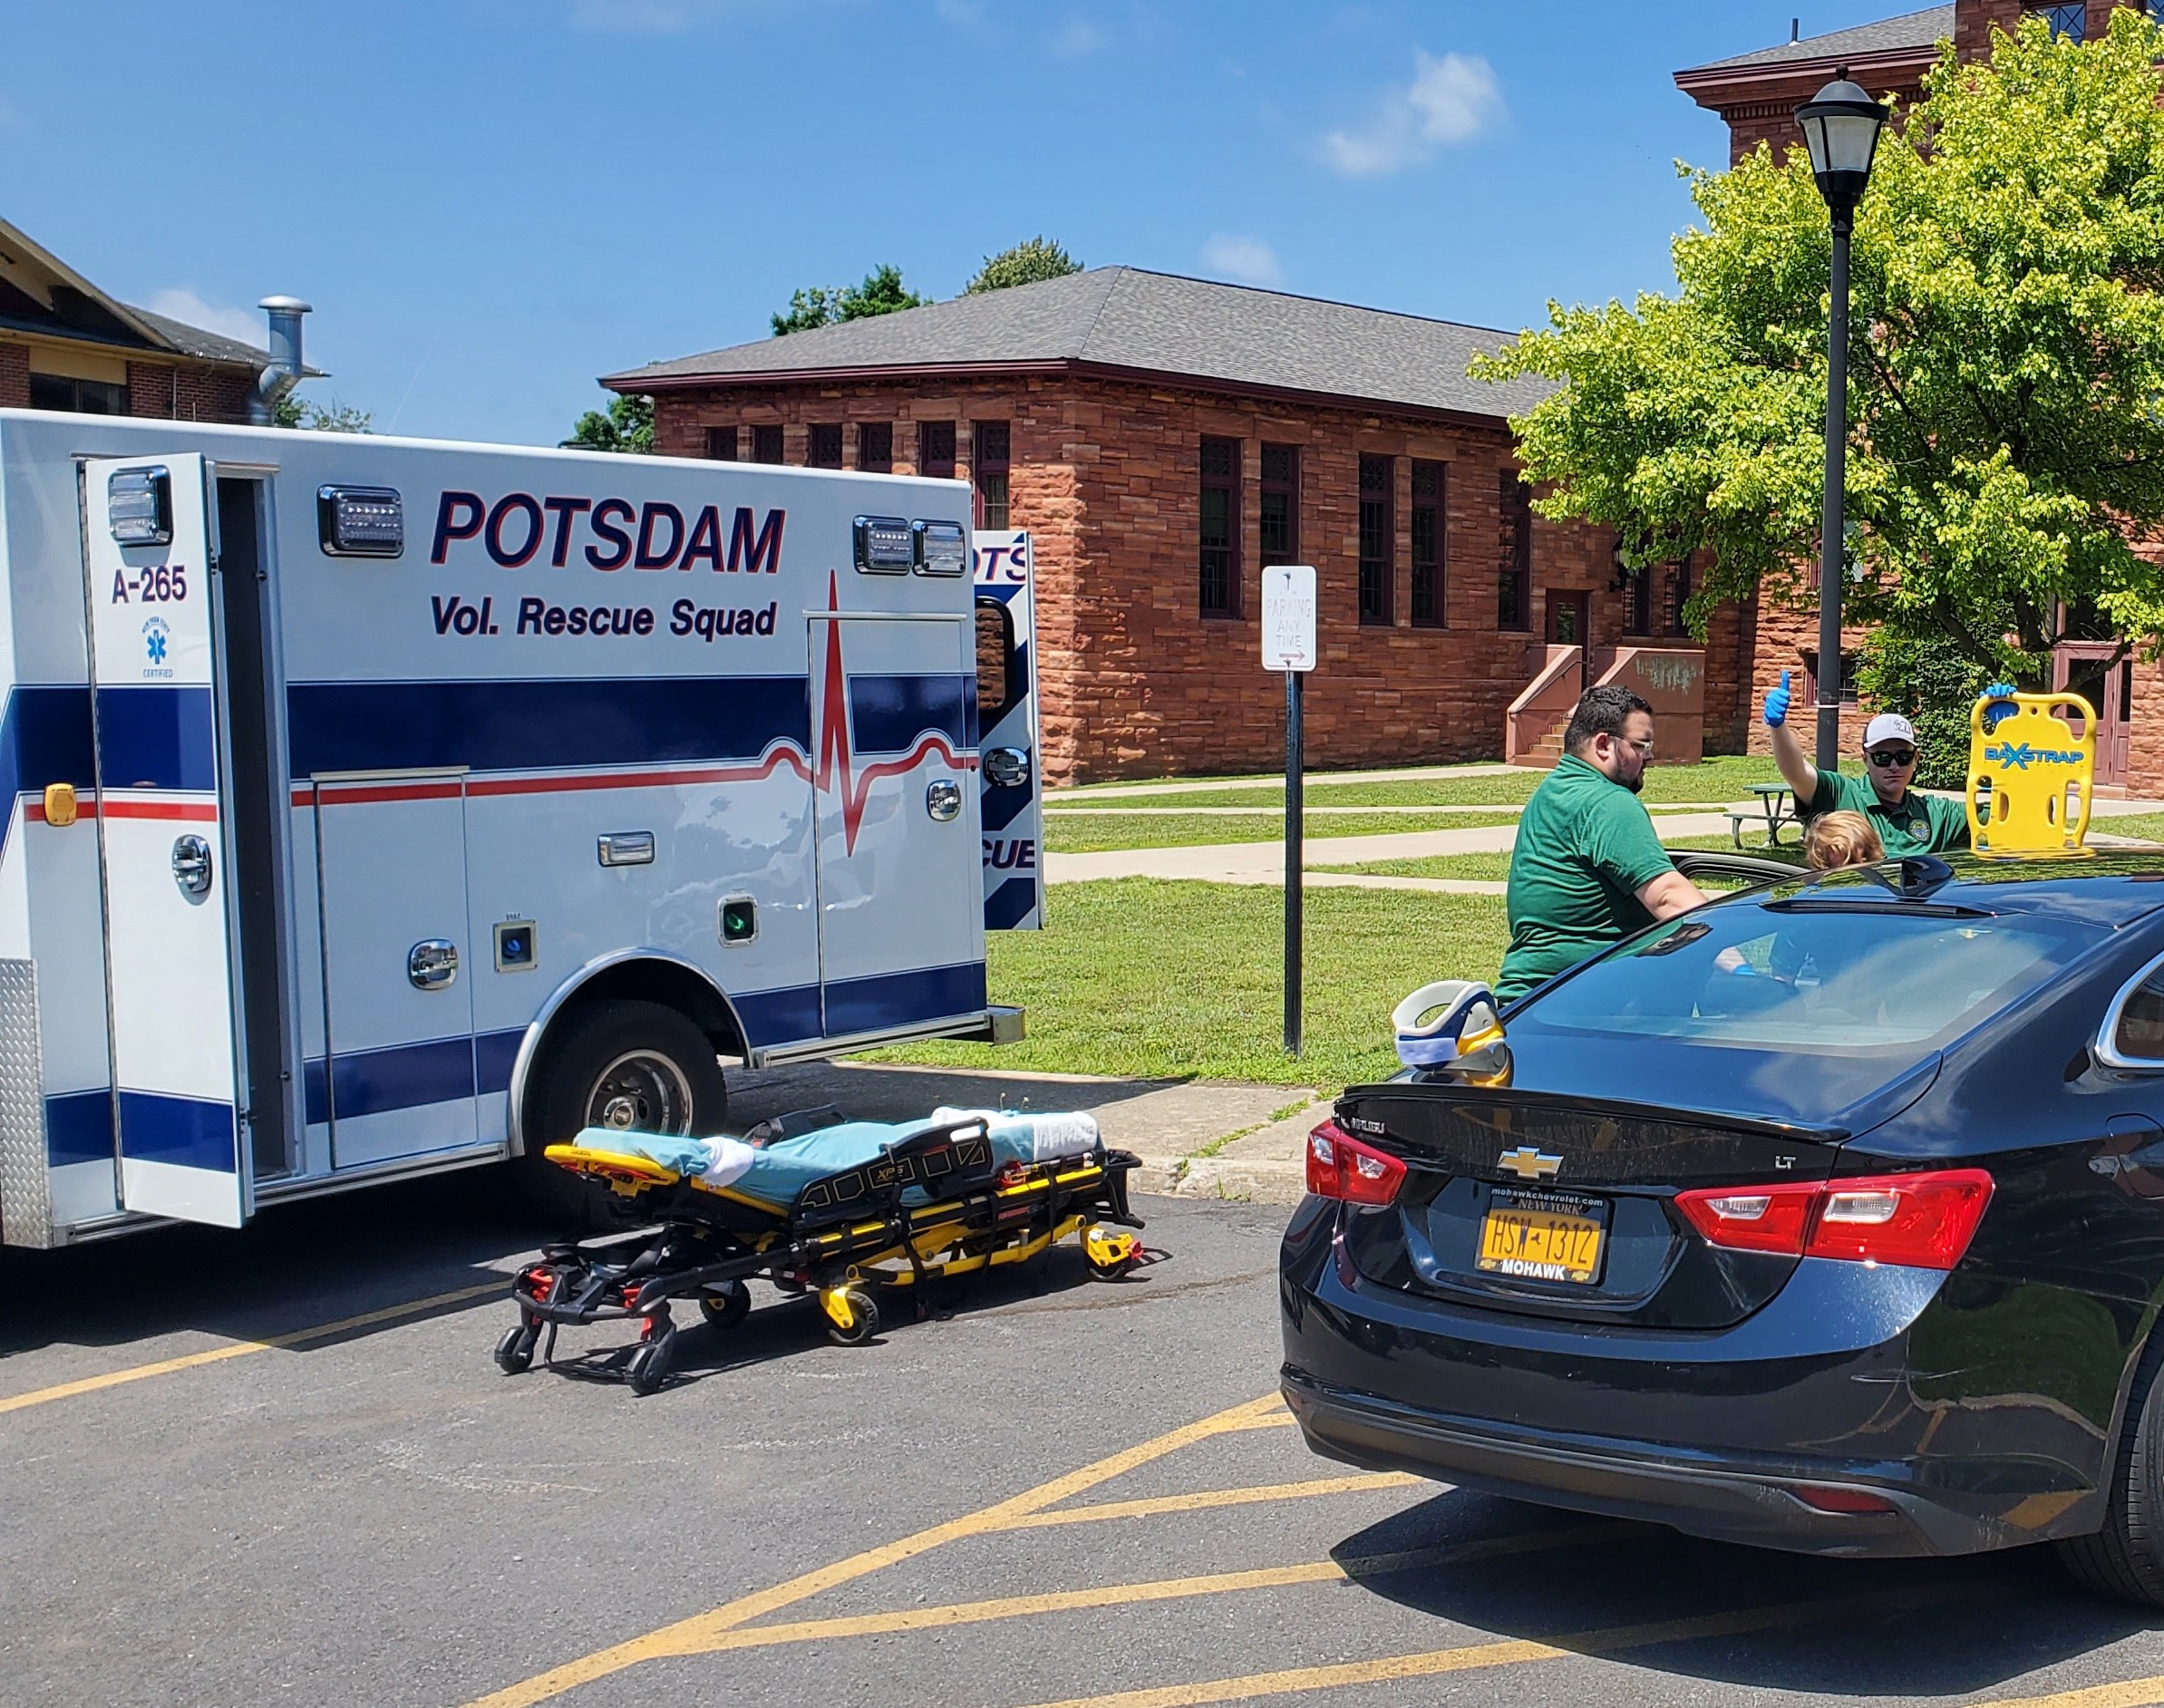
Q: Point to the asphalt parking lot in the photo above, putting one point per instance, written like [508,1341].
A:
[280,1466]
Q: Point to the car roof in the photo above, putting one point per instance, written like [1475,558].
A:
[2112,888]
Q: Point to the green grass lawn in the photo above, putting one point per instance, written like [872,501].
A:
[1165,980]
[1089,832]
[1714,780]
[2147,826]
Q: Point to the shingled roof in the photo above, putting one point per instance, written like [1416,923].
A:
[1912,30]
[1124,322]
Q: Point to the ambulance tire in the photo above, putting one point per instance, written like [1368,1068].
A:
[672,1080]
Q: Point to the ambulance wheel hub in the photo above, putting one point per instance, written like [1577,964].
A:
[642,1092]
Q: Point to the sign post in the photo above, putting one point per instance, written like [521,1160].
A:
[1289,601]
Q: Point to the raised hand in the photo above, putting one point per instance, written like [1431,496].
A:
[1777,704]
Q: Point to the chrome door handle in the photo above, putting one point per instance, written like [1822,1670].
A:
[1006,767]
[943,800]
[191,866]
[432,965]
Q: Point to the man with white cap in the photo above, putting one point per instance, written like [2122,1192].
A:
[1907,821]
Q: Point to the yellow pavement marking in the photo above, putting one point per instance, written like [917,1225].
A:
[1517,1652]
[703,1632]
[1203,1499]
[241,1349]
[2136,1692]
[1321,1571]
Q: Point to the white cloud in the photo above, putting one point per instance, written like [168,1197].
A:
[232,323]
[1249,260]
[1450,99]
[1077,37]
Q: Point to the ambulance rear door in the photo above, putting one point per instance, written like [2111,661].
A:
[163,816]
[1006,693]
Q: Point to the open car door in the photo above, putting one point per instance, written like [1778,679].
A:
[170,984]
[1007,752]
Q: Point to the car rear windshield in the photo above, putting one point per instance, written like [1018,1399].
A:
[1837,978]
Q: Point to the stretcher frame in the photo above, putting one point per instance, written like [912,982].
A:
[844,1232]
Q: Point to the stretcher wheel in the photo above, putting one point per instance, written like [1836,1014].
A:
[857,1304]
[1110,1252]
[649,1365]
[514,1352]
[728,1310]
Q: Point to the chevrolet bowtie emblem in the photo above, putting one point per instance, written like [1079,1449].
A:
[1529,1164]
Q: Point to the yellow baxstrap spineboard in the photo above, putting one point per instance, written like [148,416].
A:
[2030,776]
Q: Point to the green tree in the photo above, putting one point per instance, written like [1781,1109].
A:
[1032,259]
[881,293]
[2006,367]
[628,426]
[332,417]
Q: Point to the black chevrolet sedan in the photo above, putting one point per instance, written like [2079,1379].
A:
[1828,1217]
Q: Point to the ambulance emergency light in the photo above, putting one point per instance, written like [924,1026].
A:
[941,549]
[139,506]
[883,545]
[360,521]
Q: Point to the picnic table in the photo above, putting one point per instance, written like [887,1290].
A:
[1773,807]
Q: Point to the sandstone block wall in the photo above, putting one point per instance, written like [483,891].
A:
[1133,679]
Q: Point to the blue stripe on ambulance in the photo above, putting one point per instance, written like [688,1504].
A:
[1010,903]
[544,725]
[887,714]
[193,1132]
[157,737]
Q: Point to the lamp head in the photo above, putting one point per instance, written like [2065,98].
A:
[1841,127]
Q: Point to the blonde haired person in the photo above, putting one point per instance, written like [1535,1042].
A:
[1835,839]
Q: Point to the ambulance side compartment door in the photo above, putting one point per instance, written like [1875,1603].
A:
[1009,774]
[162,814]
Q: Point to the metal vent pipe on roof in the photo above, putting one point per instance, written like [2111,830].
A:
[285,370]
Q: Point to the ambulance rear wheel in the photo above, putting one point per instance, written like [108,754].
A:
[628,1066]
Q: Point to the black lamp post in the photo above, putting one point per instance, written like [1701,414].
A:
[1840,126]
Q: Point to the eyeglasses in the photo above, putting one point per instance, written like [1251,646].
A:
[1887,758]
[1644,747]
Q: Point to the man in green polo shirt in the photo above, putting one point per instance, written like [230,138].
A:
[1587,870]
[1907,821]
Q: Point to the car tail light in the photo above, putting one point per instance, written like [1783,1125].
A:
[1920,1221]
[1339,1166]
[1752,1217]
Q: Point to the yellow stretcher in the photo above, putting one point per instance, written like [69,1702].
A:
[2030,774]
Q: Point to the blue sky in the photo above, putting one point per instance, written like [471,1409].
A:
[491,201]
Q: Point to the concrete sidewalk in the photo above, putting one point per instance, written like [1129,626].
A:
[1264,862]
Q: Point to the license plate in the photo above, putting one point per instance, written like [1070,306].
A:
[1543,1236]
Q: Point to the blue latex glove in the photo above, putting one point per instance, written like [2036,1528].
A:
[1777,704]
[1994,716]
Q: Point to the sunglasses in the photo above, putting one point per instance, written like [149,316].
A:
[1887,758]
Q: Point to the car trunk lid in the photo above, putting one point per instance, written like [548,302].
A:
[1561,1205]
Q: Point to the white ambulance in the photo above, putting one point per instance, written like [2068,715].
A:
[377,806]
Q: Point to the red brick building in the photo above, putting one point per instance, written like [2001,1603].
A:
[1163,439]
[65,344]
[1757,95]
